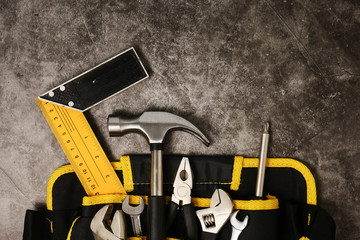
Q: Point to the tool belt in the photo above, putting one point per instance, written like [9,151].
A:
[288,212]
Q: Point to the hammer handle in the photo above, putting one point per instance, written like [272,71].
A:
[156,218]
[156,184]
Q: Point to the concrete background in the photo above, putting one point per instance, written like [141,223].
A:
[226,66]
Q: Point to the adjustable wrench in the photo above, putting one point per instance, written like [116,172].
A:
[212,219]
[104,228]
[134,213]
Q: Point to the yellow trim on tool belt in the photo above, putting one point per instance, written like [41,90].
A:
[71,228]
[289,163]
[199,202]
[54,176]
[240,163]
[117,166]
[111,198]
[127,173]
[51,225]
[115,198]
[236,174]
[62,171]
[268,204]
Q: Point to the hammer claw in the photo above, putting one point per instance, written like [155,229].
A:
[153,126]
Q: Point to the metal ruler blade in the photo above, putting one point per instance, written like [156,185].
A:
[82,148]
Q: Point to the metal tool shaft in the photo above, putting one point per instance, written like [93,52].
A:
[156,173]
[262,162]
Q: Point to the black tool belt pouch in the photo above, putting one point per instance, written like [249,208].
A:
[288,212]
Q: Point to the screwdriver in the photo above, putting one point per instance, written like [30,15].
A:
[262,161]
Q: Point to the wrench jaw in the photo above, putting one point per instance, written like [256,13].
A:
[117,222]
[212,219]
[104,228]
[130,210]
[134,213]
[237,225]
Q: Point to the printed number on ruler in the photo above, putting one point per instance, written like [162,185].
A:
[82,148]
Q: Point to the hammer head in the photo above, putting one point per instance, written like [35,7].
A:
[153,126]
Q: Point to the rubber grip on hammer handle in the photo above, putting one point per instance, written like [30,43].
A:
[172,212]
[156,218]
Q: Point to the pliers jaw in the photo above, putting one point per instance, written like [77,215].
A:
[182,197]
[183,183]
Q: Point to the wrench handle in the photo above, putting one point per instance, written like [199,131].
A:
[235,233]
[156,218]
[135,221]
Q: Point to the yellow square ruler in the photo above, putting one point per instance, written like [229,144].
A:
[63,109]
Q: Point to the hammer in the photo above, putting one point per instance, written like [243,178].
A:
[154,126]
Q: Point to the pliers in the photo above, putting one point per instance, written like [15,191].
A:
[181,198]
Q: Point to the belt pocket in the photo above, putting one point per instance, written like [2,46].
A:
[305,221]
[80,229]
[263,219]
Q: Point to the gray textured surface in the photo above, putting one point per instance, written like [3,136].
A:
[225,66]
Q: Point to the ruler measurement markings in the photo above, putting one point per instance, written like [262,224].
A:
[92,157]
[90,136]
[67,115]
[78,141]
[60,113]
[74,143]
[64,118]
[95,144]
[61,120]
[107,168]
[78,150]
